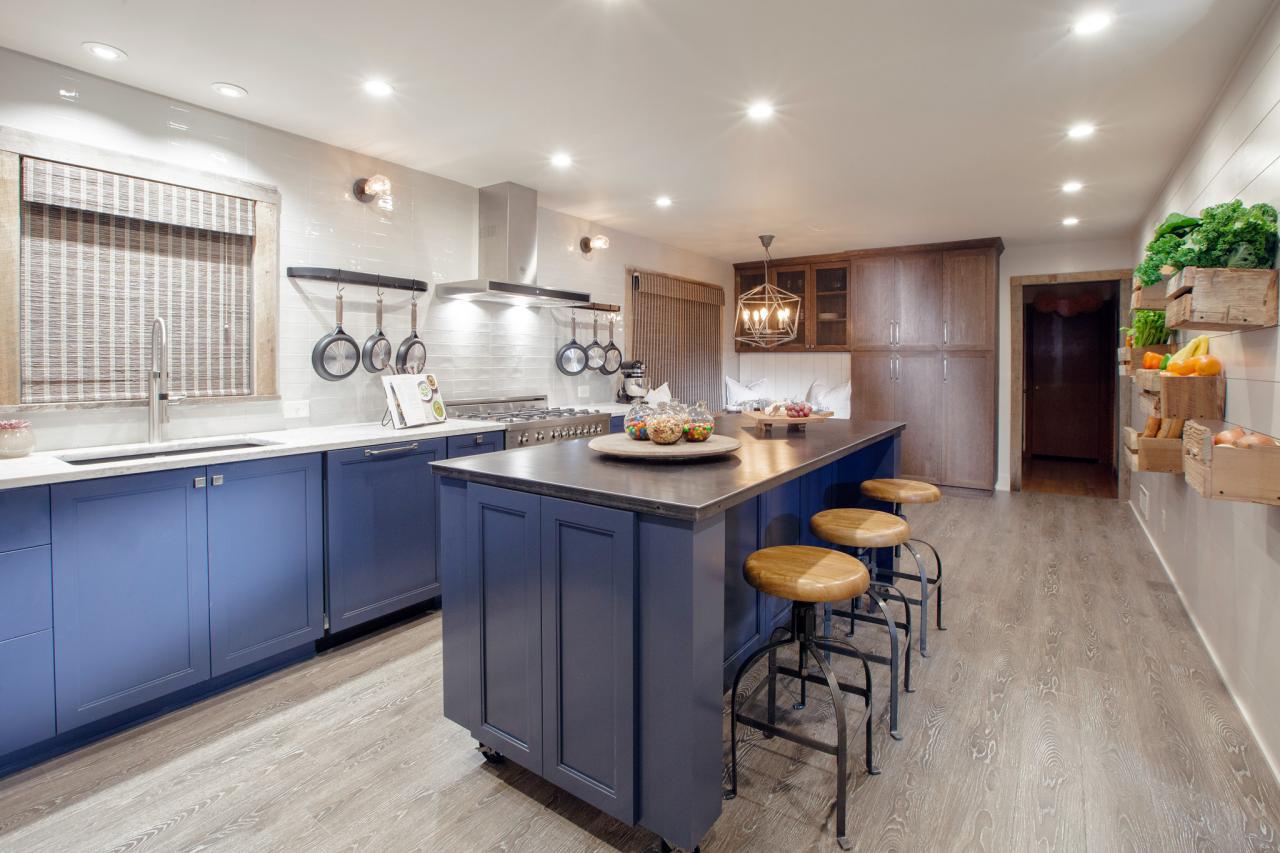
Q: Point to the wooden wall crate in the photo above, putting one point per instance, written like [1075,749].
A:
[1157,455]
[1221,299]
[1149,404]
[1130,358]
[1150,298]
[1190,397]
[1147,380]
[1249,474]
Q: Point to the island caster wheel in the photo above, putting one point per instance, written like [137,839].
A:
[491,755]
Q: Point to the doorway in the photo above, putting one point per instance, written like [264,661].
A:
[1069,338]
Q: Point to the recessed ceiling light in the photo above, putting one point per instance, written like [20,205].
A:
[1072,187]
[1070,221]
[1094,22]
[1082,130]
[663,201]
[760,111]
[378,88]
[230,90]
[105,51]
[561,160]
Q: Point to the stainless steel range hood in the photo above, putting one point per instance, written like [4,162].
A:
[508,250]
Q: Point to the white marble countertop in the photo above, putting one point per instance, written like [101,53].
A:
[47,467]
[611,408]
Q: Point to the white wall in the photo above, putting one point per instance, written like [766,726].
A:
[1225,557]
[1041,260]
[791,373]
[476,350]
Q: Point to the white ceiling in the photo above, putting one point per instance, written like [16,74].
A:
[898,122]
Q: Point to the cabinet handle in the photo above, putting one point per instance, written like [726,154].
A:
[944,368]
[891,325]
[944,332]
[480,438]
[198,482]
[217,479]
[401,449]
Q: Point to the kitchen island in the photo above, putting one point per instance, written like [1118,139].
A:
[595,609]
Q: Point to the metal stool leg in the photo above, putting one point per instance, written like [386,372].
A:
[842,747]
[937,580]
[924,600]
[893,592]
[768,649]
[894,655]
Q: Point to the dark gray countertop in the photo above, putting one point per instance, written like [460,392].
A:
[691,490]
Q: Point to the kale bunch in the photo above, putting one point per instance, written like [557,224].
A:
[1167,248]
[1232,235]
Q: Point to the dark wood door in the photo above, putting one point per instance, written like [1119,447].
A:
[918,402]
[969,447]
[872,377]
[969,300]
[919,284]
[1067,362]
[875,301]
[830,302]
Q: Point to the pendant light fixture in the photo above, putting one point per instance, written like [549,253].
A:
[767,316]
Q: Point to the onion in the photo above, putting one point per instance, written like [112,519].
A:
[1254,440]
[1227,436]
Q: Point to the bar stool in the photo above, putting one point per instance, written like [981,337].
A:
[863,530]
[805,576]
[899,492]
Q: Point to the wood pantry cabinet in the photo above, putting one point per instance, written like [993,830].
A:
[921,328]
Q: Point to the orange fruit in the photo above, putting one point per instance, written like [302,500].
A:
[1205,365]
[1182,368]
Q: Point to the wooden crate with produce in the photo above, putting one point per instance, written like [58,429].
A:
[1224,462]
[1146,342]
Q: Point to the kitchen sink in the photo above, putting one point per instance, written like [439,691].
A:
[155,451]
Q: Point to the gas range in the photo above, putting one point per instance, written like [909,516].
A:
[529,420]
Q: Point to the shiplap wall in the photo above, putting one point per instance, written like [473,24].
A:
[1225,557]
[791,373]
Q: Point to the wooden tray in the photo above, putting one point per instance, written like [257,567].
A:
[619,444]
[765,423]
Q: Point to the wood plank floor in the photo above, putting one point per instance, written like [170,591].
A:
[1069,707]
[1078,477]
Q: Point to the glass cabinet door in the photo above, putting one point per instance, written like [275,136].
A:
[831,306]
[794,280]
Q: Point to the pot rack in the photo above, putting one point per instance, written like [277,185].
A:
[360,278]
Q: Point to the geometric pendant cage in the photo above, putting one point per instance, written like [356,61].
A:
[767,315]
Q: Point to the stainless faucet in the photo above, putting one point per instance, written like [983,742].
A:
[158,397]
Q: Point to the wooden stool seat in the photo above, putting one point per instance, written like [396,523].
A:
[901,491]
[806,574]
[860,528]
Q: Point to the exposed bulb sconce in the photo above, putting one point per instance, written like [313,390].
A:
[375,188]
[597,242]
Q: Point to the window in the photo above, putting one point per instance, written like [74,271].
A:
[100,255]
[675,331]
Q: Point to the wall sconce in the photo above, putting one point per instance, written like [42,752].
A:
[597,242]
[374,188]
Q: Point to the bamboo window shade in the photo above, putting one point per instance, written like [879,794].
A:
[676,331]
[102,255]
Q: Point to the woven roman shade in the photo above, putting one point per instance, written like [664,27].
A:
[101,256]
[675,331]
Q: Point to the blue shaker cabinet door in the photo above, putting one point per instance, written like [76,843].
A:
[503,569]
[130,591]
[473,444]
[617,423]
[26,690]
[588,653]
[266,558]
[381,529]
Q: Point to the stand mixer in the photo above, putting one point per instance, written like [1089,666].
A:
[635,384]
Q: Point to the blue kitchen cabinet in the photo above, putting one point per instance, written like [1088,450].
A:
[130,591]
[616,423]
[26,691]
[266,558]
[381,517]
[26,620]
[25,515]
[473,444]
[504,572]
[588,653]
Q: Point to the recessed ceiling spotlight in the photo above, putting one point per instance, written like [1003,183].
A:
[1072,187]
[1083,130]
[105,51]
[378,88]
[1070,221]
[561,160]
[760,111]
[1094,22]
[230,90]
[663,201]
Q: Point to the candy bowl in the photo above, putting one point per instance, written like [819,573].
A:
[666,426]
[701,423]
[636,422]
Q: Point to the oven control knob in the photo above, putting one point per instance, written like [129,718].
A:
[538,437]
[555,433]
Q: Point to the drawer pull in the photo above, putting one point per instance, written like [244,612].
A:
[401,449]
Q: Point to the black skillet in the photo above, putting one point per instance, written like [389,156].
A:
[375,355]
[572,358]
[335,356]
[612,355]
[412,355]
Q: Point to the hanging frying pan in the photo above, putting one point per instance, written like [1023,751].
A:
[595,351]
[336,356]
[572,358]
[412,355]
[375,355]
[612,355]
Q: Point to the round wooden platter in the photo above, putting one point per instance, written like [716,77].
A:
[619,444]
[765,422]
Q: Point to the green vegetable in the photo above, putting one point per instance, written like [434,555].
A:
[1232,235]
[1164,362]
[1177,223]
[1148,328]
[1161,252]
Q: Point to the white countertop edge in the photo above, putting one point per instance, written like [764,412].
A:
[45,467]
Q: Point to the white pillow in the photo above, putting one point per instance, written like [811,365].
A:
[835,399]
[661,394]
[736,393]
